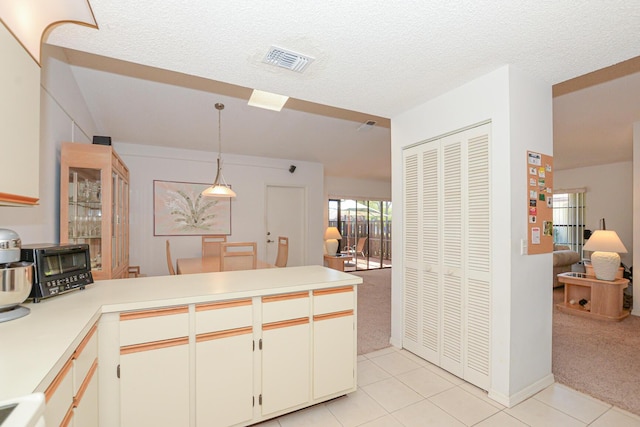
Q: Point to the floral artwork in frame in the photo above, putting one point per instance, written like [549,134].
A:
[179,209]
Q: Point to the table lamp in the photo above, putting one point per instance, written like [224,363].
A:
[331,237]
[605,260]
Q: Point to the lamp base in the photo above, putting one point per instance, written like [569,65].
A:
[332,246]
[605,265]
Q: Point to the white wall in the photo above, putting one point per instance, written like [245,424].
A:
[248,176]
[520,112]
[61,109]
[609,195]
[357,189]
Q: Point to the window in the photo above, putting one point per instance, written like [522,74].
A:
[568,219]
[365,226]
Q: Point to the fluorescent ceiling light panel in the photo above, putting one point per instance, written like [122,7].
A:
[267,100]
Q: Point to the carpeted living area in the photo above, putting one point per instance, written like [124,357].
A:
[594,357]
[597,357]
[374,310]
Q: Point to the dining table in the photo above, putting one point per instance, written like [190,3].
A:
[207,264]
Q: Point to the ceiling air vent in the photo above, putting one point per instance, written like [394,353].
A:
[367,125]
[287,59]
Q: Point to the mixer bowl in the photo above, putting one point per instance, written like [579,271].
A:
[16,280]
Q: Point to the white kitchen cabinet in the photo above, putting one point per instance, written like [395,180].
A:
[334,341]
[20,130]
[59,398]
[286,343]
[73,394]
[447,243]
[154,368]
[224,363]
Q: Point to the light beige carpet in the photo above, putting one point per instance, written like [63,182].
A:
[597,357]
[374,310]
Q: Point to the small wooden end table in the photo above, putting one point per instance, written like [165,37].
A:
[336,261]
[605,297]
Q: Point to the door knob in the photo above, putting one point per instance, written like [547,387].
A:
[269,241]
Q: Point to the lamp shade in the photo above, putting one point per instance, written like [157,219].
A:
[605,259]
[605,241]
[332,233]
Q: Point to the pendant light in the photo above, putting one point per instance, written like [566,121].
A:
[219,188]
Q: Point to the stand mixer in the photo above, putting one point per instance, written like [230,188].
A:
[16,277]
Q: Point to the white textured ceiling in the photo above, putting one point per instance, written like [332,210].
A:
[376,57]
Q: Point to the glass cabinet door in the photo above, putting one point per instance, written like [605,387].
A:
[85,211]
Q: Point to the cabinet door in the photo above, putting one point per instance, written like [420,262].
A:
[224,379]
[154,384]
[224,363]
[285,365]
[59,398]
[333,354]
[85,412]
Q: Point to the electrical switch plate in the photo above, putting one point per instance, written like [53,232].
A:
[523,247]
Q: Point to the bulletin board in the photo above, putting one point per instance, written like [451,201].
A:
[539,201]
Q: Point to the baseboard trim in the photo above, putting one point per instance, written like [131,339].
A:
[523,394]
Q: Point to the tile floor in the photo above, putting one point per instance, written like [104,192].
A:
[396,388]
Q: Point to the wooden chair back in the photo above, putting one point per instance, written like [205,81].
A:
[360,245]
[211,244]
[283,251]
[238,256]
[172,270]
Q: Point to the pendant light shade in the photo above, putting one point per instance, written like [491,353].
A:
[219,188]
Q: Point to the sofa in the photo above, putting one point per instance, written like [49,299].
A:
[563,259]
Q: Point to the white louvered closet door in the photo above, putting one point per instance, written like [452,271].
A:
[447,253]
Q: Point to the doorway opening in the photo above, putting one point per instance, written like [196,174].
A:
[365,226]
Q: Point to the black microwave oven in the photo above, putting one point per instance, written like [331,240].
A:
[57,268]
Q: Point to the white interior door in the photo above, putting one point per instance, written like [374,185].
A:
[286,216]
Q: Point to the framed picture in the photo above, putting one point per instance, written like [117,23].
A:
[180,210]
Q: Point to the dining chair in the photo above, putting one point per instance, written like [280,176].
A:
[211,244]
[283,251]
[238,256]
[172,271]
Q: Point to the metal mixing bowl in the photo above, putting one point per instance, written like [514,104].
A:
[16,280]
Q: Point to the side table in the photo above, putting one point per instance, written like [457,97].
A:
[605,297]
[336,261]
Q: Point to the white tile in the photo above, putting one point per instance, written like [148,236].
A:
[444,374]
[395,363]
[616,417]
[355,409]
[535,413]
[425,382]
[369,373]
[381,352]
[501,419]
[386,421]
[481,394]
[391,394]
[463,406]
[419,360]
[314,416]
[423,414]
[571,402]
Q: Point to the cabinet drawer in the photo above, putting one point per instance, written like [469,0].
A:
[224,315]
[83,358]
[153,325]
[333,300]
[59,396]
[285,306]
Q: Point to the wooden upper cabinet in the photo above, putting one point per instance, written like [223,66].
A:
[94,206]
[19,123]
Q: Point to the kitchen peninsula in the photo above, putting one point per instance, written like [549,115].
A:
[230,348]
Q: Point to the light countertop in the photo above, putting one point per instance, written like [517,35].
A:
[33,348]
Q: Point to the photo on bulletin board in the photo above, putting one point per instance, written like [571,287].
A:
[539,200]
